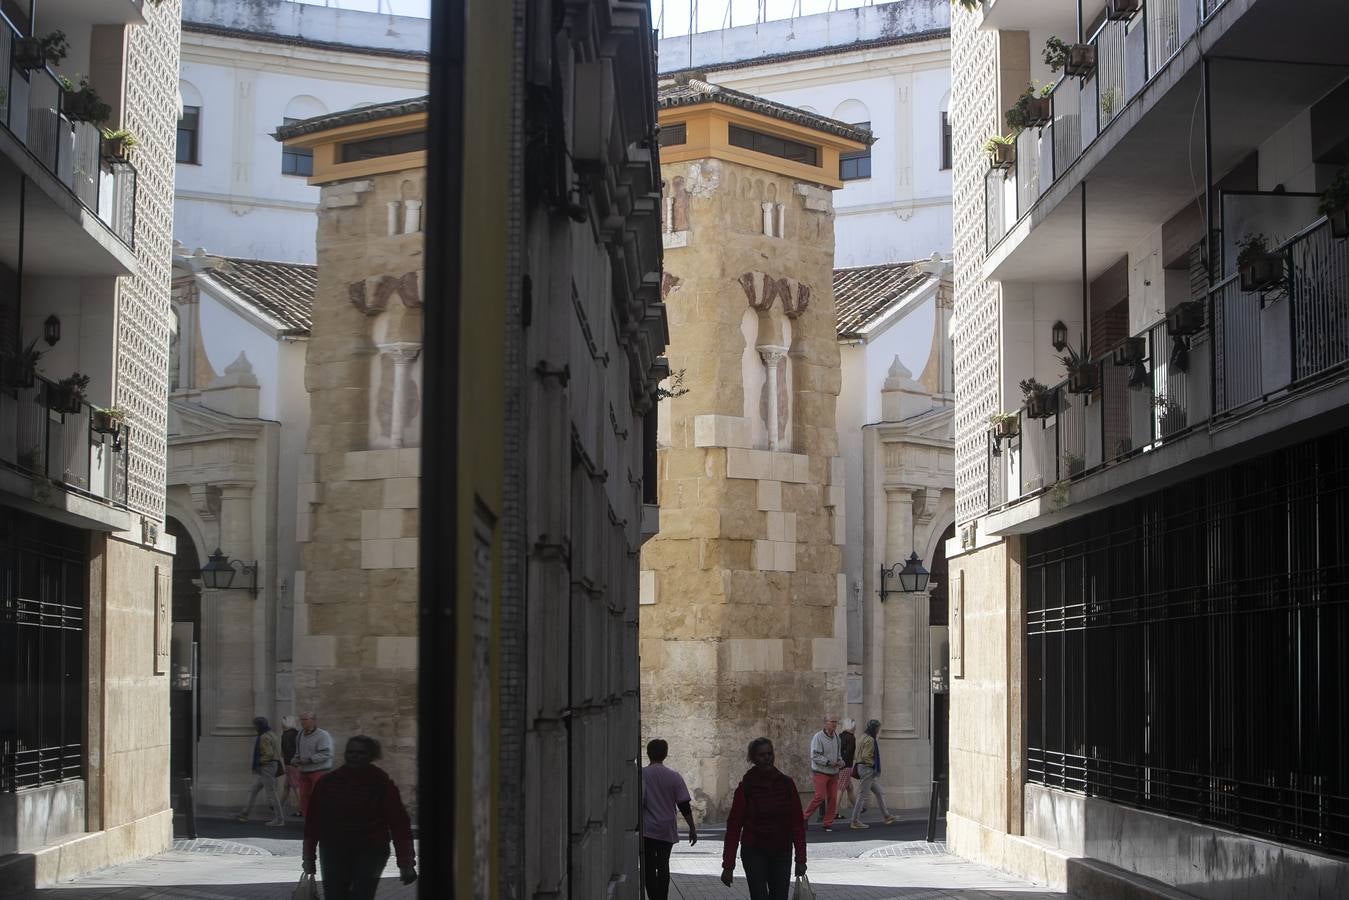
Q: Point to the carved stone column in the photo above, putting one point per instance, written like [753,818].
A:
[403,354]
[772,357]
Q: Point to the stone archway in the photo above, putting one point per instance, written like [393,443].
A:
[184,698]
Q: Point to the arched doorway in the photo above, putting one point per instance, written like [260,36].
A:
[184,698]
[939,654]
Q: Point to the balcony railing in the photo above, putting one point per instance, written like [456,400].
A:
[1128,55]
[61,447]
[31,110]
[1254,347]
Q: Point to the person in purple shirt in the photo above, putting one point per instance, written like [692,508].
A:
[663,791]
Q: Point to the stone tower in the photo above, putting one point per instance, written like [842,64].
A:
[743,617]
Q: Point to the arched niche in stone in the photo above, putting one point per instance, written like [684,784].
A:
[766,371]
[396,369]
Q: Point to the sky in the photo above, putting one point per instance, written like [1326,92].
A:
[713,14]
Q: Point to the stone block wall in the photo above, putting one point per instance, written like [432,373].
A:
[355,598]
[743,629]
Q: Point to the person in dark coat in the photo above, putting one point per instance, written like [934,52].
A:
[847,748]
[767,825]
[290,731]
[352,814]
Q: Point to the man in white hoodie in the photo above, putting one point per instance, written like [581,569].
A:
[826,759]
[313,756]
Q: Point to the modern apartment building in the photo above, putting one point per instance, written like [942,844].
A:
[85,563]
[1148,578]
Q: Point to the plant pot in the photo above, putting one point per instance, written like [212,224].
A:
[16,372]
[1185,319]
[29,54]
[104,422]
[116,150]
[1130,352]
[1039,111]
[1042,406]
[64,399]
[1084,379]
[1262,273]
[1339,222]
[82,106]
[1081,60]
[1121,10]
[1002,156]
[1005,429]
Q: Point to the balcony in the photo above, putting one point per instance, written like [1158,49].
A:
[1255,350]
[1131,134]
[76,182]
[47,441]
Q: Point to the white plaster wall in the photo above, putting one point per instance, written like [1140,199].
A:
[909,338]
[1286,157]
[1029,312]
[225,333]
[87,310]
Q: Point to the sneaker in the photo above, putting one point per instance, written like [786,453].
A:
[889,820]
[829,828]
[859,825]
[276,823]
[241,817]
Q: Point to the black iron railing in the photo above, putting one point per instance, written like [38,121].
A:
[1214,617]
[1254,346]
[42,435]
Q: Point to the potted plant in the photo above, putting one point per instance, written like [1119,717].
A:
[1121,10]
[20,369]
[1032,109]
[1005,425]
[1260,269]
[107,420]
[1001,150]
[1172,417]
[81,103]
[1040,400]
[1335,205]
[1084,375]
[1073,463]
[118,144]
[37,51]
[1131,351]
[1185,318]
[67,395]
[1109,97]
[1074,59]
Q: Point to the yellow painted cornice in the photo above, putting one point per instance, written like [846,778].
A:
[327,143]
[707,128]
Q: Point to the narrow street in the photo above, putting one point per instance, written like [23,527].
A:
[233,861]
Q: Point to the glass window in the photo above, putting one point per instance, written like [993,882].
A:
[674,133]
[295,161]
[856,165]
[774,146]
[373,148]
[945,141]
[189,131]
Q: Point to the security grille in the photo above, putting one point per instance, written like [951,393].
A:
[1186,651]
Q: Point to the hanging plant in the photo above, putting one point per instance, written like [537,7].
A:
[1074,59]
[1041,402]
[1032,108]
[1084,375]
[68,394]
[107,420]
[19,370]
[118,144]
[38,51]
[1260,270]
[1001,150]
[81,103]
[1005,425]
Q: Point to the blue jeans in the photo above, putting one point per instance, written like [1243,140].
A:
[769,872]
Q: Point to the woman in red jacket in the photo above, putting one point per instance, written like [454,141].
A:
[352,814]
[766,823]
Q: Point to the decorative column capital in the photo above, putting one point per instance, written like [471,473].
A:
[402,352]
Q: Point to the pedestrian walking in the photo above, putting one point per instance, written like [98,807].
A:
[868,772]
[826,760]
[290,790]
[267,768]
[767,825]
[663,791]
[352,815]
[847,745]
[313,757]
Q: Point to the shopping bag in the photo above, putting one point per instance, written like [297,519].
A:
[803,889]
[308,889]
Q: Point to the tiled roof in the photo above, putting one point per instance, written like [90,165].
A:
[864,294]
[356,116]
[284,291]
[693,91]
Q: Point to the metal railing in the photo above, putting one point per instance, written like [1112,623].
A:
[1128,55]
[31,110]
[39,439]
[1253,347]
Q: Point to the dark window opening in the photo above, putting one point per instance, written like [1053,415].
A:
[771,145]
[374,148]
[673,134]
[189,133]
[855,165]
[295,161]
[945,141]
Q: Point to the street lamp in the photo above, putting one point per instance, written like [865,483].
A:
[913,577]
[219,571]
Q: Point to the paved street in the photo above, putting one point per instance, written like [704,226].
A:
[249,862]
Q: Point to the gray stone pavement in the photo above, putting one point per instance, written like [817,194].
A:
[246,862]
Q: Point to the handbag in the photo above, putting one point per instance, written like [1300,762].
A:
[803,889]
[308,889]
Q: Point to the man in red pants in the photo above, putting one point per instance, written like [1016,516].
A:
[826,761]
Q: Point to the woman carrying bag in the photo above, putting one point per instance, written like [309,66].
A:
[766,824]
[868,770]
